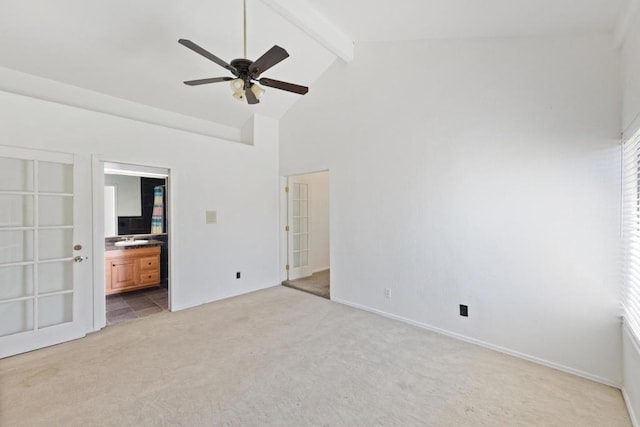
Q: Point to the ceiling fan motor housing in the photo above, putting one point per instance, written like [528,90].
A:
[242,66]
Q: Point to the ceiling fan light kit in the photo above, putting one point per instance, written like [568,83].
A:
[257,90]
[237,86]
[246,73]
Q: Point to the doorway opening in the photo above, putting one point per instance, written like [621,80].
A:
[306,216]
[136,241]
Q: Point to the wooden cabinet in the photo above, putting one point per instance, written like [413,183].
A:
[123,273]
[130,269]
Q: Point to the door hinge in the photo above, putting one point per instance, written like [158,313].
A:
[286,267]
[286,189]
[286,228]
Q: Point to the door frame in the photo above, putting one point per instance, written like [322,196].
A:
[284,241]
[99,296]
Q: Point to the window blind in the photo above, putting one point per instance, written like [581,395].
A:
[631,232]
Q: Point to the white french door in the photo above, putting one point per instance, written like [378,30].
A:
[299,229]
[45,221]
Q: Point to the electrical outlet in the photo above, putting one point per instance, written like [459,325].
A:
[387,293]
[238,275]
[464,310]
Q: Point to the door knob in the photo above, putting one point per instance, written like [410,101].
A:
[80,258]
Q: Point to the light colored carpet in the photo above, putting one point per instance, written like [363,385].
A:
[281,357]
[317,284]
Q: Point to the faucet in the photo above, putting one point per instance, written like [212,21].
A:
[129,238]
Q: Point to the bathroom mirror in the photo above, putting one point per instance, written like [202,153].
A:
[127,191]
[123,198]
[134,203]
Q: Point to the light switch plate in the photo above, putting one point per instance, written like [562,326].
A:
[212,217]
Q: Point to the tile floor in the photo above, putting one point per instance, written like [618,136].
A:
[136,304]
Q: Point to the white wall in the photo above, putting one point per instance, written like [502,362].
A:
[237,180]
[110,211]
[631,365]
[319,219]
[631,78]
[630,125]
[476,172]
[128,194]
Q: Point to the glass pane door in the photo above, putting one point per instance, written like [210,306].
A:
[36,244]
[299,229]
[300,225]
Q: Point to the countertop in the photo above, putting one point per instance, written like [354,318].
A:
[111,246]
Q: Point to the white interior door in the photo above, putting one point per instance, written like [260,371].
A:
[44,236]
[299,229]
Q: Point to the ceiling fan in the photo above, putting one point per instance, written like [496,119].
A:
[246,72]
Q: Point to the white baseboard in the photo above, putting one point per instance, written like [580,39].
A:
[517,354]
[635,421]
[318,270]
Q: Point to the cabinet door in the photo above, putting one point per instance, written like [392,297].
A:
[107,279]
[123,273]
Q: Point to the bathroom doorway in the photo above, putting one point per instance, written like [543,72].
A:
[306,216]
[136,241]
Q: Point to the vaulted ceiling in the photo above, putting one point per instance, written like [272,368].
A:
[363,20]
[128,49]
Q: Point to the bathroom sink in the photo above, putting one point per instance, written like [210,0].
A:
[131,242]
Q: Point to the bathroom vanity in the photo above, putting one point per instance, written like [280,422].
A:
[132,267]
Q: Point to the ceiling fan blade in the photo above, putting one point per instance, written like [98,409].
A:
[289,87]
[207,81]
[194,47]
[251,97]
[268,60]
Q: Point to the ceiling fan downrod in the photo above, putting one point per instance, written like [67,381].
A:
[244,22]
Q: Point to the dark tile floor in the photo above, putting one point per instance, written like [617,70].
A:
[136,304]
